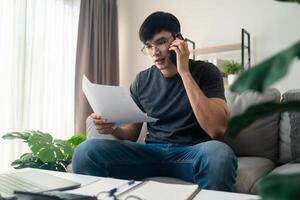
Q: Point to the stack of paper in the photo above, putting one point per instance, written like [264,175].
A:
[113,103]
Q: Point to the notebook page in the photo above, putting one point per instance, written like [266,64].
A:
[161,191]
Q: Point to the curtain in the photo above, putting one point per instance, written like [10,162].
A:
[37,67]
[97,52]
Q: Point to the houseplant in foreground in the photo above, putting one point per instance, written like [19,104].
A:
[259,78]
[46,152]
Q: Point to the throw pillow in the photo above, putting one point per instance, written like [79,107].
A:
[261,137]
[290,131]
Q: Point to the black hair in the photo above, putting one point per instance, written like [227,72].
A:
[157,22]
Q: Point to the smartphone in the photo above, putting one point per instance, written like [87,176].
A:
[172,53]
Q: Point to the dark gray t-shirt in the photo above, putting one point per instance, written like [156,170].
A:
[165,98]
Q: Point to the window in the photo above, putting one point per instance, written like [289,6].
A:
[37,67]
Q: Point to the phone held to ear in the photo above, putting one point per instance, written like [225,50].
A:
[172,53]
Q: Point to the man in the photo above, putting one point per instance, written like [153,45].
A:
[188,99]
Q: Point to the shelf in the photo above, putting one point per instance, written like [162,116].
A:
[242,46]
[216,49]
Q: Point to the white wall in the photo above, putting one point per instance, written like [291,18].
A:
[273,26]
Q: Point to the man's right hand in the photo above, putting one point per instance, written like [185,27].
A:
[101,124]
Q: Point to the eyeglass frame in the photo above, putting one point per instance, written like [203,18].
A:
[153,45]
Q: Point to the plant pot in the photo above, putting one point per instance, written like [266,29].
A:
[232,78]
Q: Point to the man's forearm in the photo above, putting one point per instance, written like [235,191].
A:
[210,113]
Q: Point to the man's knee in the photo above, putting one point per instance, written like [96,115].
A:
[218,148]
[87,153]
[216,167]
[219,155]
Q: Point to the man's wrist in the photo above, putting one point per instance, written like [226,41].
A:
[185,75]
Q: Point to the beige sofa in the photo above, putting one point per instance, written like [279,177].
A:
[270,145]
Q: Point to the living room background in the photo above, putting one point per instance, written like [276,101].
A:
[37,64]
[273,26]
[38,48]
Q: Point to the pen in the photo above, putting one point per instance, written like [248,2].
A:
[111,193]
[114,190]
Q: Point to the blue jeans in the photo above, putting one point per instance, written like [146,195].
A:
[212,164]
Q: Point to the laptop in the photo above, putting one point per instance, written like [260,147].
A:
[32,181]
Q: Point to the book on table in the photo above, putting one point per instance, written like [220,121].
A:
[160,191]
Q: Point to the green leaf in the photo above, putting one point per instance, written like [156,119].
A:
[40,143]
[231,67]
[66,148]
[39,138]
[268,72]
[43,146]
[280,187]
[49,154]
[31,164]
[76,139]
[26,160]
[27,157]
[239,122]
[298,1]
[46,152]
[59,166]
[17,135]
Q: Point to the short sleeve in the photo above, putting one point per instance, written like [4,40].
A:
[212,83]
[134,92]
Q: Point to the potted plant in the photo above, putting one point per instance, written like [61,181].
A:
[231,69]
[46,152]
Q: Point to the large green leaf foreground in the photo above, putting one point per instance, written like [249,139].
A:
[239,122]
[280,187]
[268,72]
[289,0]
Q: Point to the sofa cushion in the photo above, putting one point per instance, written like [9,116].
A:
[285,154]
[295,136]
[250,169]
[261,137]
[289,134]
[288,168]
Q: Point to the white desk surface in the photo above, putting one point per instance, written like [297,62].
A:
[86,181]
[215,195]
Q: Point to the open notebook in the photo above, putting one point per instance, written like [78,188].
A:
[32,181]
[161,191]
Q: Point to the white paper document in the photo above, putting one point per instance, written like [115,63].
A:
[161,191]
[104,185]
[113,103]
[212,194]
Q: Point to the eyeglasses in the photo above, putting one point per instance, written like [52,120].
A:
[160,44]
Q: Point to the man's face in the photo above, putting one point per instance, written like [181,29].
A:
[158,48]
